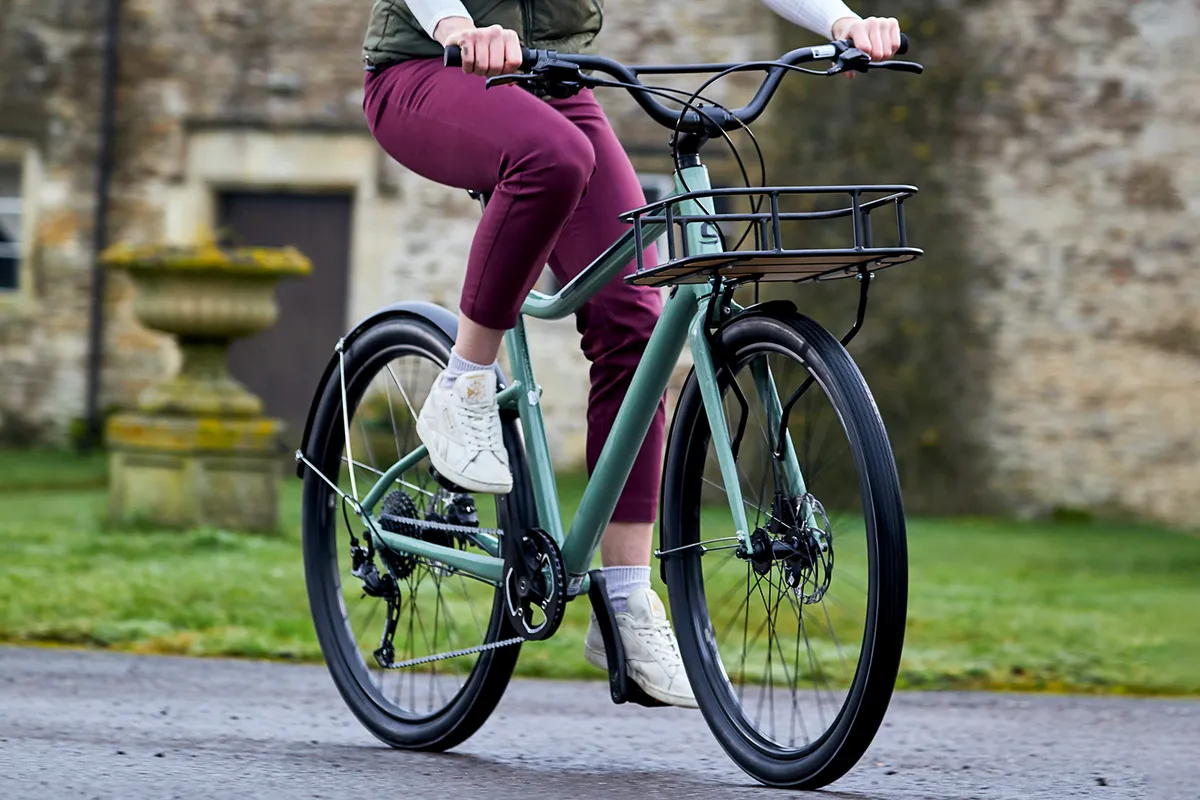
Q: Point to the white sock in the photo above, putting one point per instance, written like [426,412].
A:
[460,366]
[623,581]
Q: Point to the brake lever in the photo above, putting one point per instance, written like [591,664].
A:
[505,80]
[898,66]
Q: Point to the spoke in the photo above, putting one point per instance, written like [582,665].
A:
[745,502]
[412,646]
[770,668]
[366,440]
[745,631]
[452,629]
[366,626]
[832,635]
[402,393]
[437,608]
[796,676]
[733,617]
[762,488]
[462,587]
[812,665]
[729,593]
[773,636]
[387,393]
[792,677]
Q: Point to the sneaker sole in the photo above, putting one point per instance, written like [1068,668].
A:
[457,478]
[599,660]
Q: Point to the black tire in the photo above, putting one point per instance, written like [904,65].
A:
[822,759]
[397,340]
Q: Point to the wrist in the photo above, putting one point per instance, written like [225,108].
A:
[841,27]
[449,29]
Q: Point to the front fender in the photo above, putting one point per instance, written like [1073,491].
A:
[445,320]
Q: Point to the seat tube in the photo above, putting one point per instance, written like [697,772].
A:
[533,429]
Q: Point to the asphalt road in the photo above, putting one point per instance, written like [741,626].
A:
[96,725]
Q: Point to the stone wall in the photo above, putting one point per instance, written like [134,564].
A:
[1045,357]
[1088,154]
[259,87]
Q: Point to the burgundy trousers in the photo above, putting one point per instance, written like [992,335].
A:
[557,179]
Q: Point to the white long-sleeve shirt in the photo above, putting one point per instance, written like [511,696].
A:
[817,16]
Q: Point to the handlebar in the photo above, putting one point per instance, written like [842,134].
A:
[551,64]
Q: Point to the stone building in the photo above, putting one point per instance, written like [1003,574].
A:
[244,119]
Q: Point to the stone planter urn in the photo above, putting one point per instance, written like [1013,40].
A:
[197,450]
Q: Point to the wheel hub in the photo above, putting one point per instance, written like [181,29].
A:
[803,553]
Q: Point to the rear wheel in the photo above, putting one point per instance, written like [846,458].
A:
[434,702]
[791,640]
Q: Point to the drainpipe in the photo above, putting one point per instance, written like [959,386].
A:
[104,168]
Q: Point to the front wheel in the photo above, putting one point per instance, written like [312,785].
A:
[792,636]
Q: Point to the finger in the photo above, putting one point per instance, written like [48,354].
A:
[467,45]
[512,52]
[883,40]
[877,40]
[498,48]
[495,55]
[895,29]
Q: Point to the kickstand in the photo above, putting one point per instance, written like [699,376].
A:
[622,689]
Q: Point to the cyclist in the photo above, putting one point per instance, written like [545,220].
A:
[557,179]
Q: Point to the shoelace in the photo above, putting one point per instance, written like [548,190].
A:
[659,635]
[487,436]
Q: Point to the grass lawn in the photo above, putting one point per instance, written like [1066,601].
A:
[993,604]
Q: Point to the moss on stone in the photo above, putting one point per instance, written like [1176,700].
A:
[285,260]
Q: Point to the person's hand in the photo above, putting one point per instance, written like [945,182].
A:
[878,37]
[485,51]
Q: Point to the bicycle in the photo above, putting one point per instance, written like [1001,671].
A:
[501,576]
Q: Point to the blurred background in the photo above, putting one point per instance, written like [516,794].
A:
[1037,370]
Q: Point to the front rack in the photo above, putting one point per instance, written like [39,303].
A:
[768,259]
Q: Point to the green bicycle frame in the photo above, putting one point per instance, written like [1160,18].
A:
[684,318]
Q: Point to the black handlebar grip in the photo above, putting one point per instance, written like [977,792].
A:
[903,44]
[453,57]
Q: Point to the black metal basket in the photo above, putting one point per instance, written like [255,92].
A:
[767,258]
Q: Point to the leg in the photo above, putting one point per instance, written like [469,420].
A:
[615,324]
[443,125]
[535,164]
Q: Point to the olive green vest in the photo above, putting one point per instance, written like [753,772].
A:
[569,26]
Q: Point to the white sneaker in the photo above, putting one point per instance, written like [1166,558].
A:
[460,426]
[651,652]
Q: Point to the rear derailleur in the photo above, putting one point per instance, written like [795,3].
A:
[399,514]
[383,586]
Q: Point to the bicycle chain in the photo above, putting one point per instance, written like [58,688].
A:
[412,662]
[445,527]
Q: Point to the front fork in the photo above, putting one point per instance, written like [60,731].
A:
[725,446]
[715,307]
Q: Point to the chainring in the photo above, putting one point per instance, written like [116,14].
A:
[534,577]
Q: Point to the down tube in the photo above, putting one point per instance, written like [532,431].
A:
[628,432]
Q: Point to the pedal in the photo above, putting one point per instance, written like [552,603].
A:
[445,483]
[621,688]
